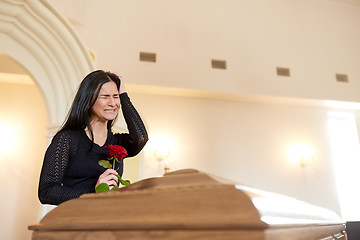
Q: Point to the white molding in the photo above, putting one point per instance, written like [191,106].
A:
[235,97]
[34,34]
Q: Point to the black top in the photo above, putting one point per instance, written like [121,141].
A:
[70,166]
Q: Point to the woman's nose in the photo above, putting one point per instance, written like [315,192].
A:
[113,102]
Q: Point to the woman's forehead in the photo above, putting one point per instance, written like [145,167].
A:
[109,87]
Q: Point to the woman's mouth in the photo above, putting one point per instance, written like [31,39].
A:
[110,110]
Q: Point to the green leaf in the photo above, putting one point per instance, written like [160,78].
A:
[122,181]
[102,187]
[105,163]
[115,187]
[125,182]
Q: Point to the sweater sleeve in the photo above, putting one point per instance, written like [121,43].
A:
[137,137]
[57,156]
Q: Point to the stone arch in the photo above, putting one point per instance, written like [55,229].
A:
[33,33]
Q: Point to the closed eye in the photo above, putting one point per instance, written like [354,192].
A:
[104,96]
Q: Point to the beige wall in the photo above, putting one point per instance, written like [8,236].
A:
[21,107]
[244,141]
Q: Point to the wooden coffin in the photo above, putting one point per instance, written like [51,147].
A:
[188,204]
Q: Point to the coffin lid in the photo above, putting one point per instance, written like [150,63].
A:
[184,199]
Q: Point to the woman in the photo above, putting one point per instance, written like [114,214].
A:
[70,166]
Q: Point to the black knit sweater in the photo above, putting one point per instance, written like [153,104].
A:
[70,166]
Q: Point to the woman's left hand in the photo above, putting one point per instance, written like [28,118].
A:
[122,87]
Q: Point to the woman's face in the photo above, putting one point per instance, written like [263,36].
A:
[106,106]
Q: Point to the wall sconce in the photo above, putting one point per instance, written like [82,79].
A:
[162,149]
[163,154]
[301,154]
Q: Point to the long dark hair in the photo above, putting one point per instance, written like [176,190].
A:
[88,91]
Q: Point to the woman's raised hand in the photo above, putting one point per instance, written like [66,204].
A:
[109,177]
[122,87]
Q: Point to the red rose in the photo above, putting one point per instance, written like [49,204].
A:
[116,151]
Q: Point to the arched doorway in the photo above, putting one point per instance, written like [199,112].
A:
[36,36]
[33,33]
[23,140]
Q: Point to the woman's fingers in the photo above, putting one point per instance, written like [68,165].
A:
[112,177]
[112,183]
[109,171]
[109,177]
[118,74]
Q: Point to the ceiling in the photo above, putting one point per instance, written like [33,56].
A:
[12,72]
